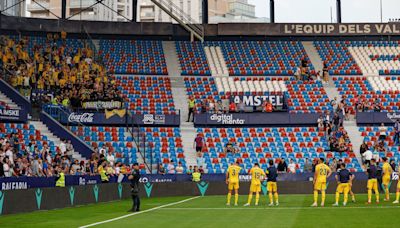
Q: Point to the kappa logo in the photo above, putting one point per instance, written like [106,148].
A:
[71,194]
[2,194]
[96,192]
[202,187]
[38,194]
[120,190]
[148,187]
[148,119]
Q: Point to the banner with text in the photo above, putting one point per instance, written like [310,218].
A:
[256,118]
[13,115]
[256,100]
[116,118]
[388,118]
[102,104]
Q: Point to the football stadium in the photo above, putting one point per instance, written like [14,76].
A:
[199,113]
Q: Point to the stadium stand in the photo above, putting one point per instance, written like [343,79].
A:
[387,149]
[360,57]
[302,96]
[260,144]
[165,143]
[244,58]
[146,95]
[381,94]
[134,57]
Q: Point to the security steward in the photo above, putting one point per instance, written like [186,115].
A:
[60,179]
[134,178]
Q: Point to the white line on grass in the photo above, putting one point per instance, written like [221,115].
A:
[138,213]
[276,208]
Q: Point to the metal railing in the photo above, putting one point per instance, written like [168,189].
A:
[139,138]
[181,17]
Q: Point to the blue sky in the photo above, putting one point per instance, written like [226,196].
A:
[319,10]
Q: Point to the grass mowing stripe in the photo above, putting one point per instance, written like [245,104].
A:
[137,213]
[277,208]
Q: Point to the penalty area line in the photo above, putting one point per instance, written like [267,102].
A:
[276,208]
[138,213]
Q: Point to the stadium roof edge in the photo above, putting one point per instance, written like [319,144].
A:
[226,31]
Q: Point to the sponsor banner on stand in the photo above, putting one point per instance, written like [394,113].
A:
[118,117]
[18,183]
[14,115]
[256,118]
[377,117]
[102,104]
[256,100]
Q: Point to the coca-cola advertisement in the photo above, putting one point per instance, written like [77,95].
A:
[100,118]
[81,117]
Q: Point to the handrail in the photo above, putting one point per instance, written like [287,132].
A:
[137,141]
[180,16]
[189,20]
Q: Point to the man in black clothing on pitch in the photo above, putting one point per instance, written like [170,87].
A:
[134,178]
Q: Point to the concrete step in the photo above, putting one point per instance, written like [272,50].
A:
[355,137]
[313,55]
[171,58]
[45,131]
[8,101]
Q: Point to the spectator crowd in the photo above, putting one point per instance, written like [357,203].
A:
[55,72]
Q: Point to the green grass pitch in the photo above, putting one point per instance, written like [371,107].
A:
[211,211]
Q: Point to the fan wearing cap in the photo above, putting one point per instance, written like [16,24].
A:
[134,178]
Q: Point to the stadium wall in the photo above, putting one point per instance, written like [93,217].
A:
[18,201]
[225,31]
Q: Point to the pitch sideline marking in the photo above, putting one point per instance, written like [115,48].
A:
[138,213]
[277,208]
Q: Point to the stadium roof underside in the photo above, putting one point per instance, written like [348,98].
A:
[211,31]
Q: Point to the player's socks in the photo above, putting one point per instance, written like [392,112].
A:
[353,197]
[236,198]
[369,195]
[249,199]
[276,197]
[377,196]
[346,198]
[387,194]
[337,196]
[271,200]
[322,197]
[315,197]
[257,197]
[228,200]
[397,196]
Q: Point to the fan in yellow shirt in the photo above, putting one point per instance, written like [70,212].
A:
[322,172]
[232,180]
[257,175]
[386,174]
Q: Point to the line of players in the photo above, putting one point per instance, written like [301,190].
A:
[344,179]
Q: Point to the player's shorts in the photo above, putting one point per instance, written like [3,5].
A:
[385,180]
[233,186]
[398,184]
[372,184]
[320,186]
[272,187]
[255,188]
[343,188]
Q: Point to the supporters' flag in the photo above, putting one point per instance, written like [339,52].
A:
[110,113]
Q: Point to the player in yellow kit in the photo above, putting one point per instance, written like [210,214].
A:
[257,175]
[232,180]
[322,172]
[386,174]
[398,188]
